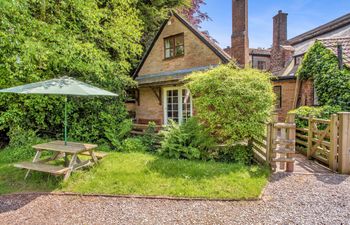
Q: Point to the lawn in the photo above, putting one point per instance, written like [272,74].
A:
[146,174]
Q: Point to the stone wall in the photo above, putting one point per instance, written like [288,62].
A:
[148,107]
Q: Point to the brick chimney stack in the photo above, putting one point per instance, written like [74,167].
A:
[280,29]
[239,39]
[279,54]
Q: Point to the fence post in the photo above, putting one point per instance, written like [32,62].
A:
[309,136]
[333,151]
[273,136]
[344,143]
[291,136]
[268,143]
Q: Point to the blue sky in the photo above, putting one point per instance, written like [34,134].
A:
[303,15]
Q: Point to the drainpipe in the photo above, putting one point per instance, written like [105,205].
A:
[340,55]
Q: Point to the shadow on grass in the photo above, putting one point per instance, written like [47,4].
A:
[201,169]
[12,181]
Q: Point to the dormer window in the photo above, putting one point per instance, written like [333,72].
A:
[174,46]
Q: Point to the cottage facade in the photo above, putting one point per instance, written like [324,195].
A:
[178,50]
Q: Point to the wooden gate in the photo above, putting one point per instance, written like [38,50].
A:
[323,140]
[327,141]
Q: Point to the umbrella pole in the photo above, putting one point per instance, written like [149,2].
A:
[65,120]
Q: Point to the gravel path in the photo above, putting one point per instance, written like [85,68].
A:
[288,199]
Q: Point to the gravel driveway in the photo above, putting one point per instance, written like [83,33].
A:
[288,199]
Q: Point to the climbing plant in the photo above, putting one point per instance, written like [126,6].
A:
[332,84]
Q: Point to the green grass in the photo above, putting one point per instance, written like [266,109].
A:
[142,174]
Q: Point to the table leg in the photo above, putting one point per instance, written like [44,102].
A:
[36,158]
[94,158]
[66,163]
[71,167]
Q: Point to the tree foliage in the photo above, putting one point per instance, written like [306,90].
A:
[232,103]
[154,12]
[92,41]
[332,84]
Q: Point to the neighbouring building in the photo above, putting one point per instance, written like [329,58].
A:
[287,55]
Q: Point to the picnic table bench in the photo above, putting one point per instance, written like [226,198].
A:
[60,150]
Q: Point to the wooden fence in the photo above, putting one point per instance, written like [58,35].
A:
[327,141]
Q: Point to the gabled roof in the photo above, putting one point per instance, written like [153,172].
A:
[214,47]
[326,28]
[331,44]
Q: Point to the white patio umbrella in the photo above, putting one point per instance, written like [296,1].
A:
[61,86]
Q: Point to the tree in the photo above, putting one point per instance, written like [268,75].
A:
[194,13]
[93,41]
[232,103]
[153,14]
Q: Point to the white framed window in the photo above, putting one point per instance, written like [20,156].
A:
[177,104]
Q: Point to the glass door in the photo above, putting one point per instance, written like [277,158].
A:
[177,104]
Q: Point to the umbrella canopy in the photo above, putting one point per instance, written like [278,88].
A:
[61,86]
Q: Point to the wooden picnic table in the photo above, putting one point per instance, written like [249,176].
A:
[60,150]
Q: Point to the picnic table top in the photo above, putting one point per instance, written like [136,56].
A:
[59,146]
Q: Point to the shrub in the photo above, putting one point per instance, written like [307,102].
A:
[323,112]
[133,145]
[232,103]
[151,139]
[186,141]
[236,153]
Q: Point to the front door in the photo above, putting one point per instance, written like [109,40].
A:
[178,104]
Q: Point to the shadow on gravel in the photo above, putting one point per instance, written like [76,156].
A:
[327,178]
[333,179]
[16,201]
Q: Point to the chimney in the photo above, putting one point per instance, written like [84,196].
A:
[280,29]
[340,55]
[278,53]
[239,39]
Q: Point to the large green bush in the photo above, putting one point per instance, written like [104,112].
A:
[332,84]
[232,103]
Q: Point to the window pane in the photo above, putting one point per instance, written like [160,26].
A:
[179,40]
[179,50]
[169,43]
[278,92]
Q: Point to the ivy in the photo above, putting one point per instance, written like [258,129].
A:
[332,84]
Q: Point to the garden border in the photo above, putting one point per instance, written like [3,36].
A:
[140,196]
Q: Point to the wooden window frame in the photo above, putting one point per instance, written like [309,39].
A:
[173,38]
[280,94]
[263,63]
[180,106]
